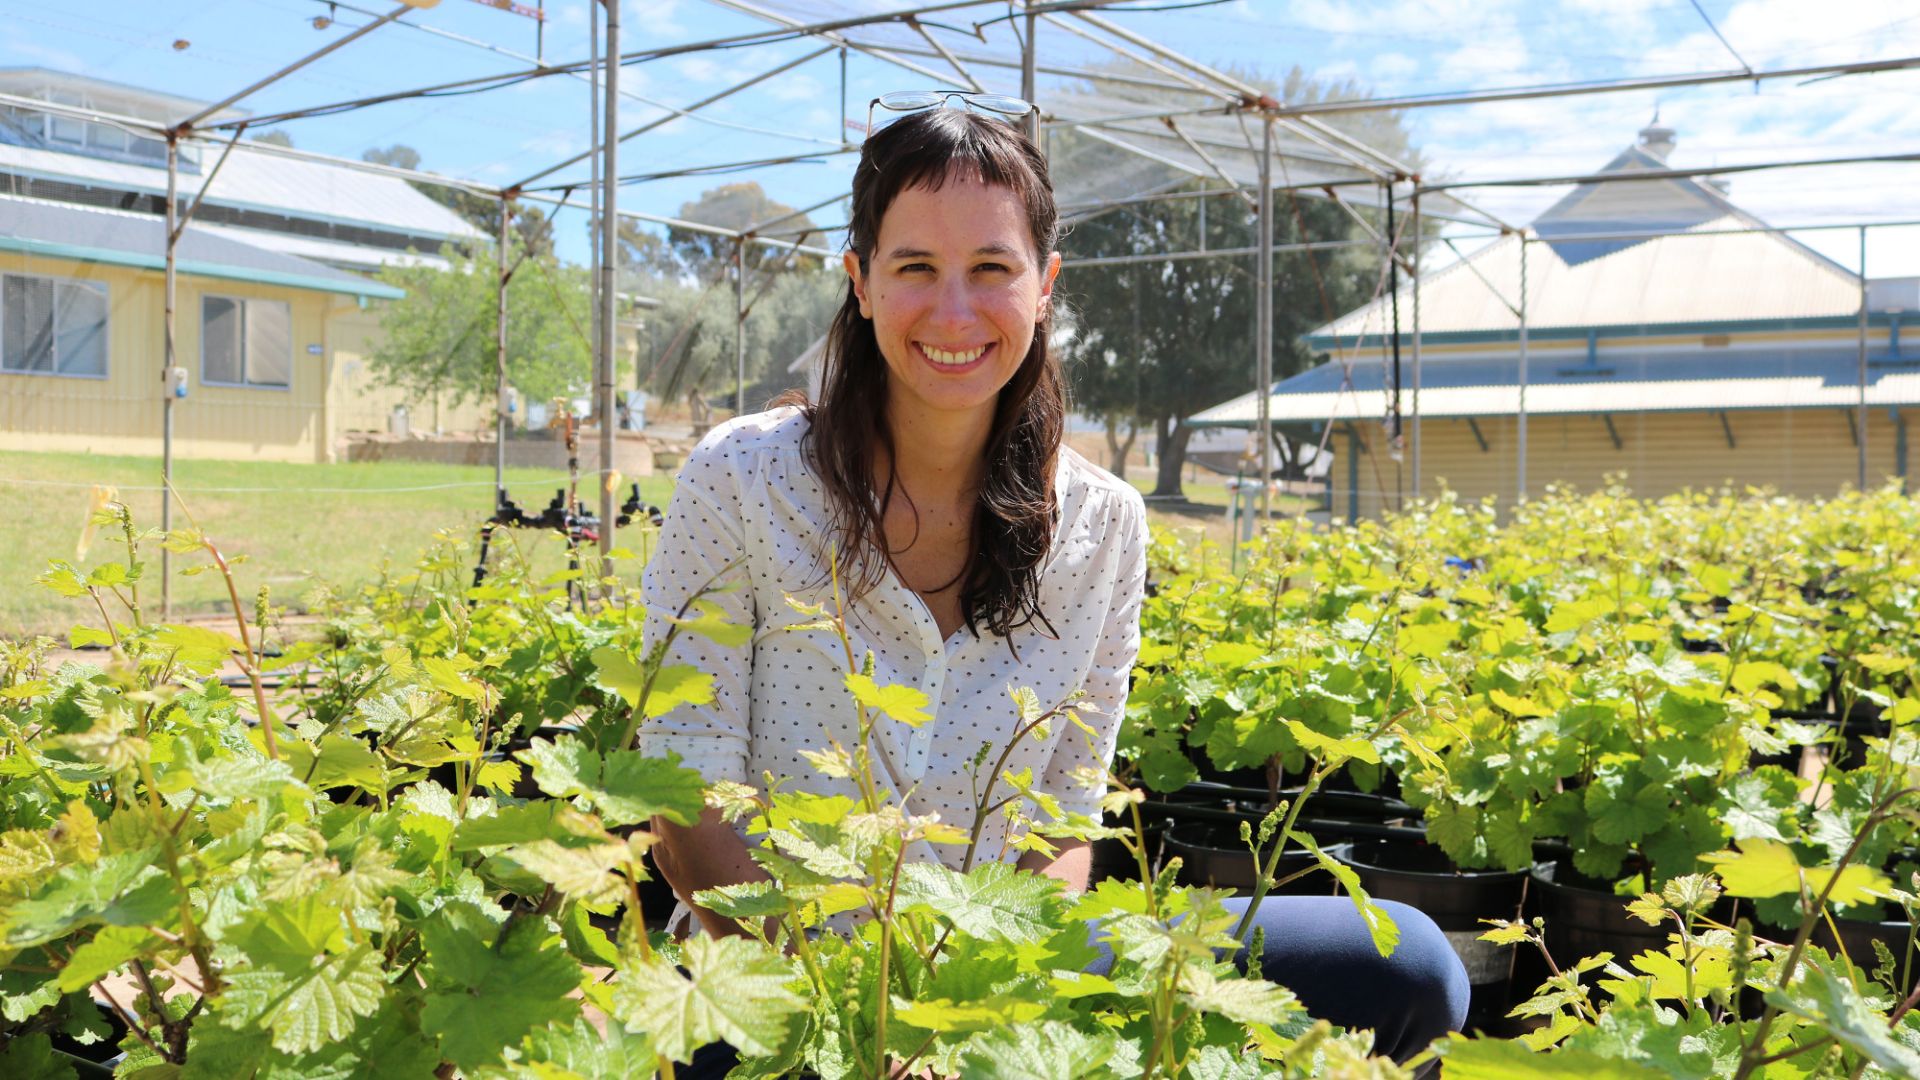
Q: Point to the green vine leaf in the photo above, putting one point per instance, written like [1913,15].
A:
[995,901]
[901,703]
[1825,996]
[731,990]
[1050,1051]
[487,994]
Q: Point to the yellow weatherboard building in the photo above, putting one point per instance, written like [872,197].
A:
[276,308]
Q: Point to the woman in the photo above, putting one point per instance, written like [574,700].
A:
[980,554]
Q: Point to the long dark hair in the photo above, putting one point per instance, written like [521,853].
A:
[1013,518]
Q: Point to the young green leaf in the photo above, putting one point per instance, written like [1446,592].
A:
[902,703]
[731,989]
[994,901]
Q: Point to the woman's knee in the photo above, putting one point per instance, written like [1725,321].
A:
[1427,971]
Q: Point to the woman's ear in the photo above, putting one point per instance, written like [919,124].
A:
[1047,277]
[852,262]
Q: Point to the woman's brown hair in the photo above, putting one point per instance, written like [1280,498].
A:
[1013,518]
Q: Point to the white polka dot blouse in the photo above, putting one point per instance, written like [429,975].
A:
[747,494]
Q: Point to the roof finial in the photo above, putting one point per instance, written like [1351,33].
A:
[1656,140]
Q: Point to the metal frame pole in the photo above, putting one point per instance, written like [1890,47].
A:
[739,326]
[1520,468]
[1029,62]
[1264,319]
[593,175]
[502,252]
[1389,246]
[171,360]
[1413,440]
[1861,404]
[609,283]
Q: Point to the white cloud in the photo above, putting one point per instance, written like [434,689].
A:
[698,69]
[793,86]
[1390,67]
[653,18]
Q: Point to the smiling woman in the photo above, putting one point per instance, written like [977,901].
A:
[928,495]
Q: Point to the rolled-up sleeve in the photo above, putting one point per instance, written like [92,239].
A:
[702,537]
[1104,702]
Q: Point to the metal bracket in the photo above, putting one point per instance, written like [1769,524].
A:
[1612,432]
[1853,429]
[1727,427]
[1477,437]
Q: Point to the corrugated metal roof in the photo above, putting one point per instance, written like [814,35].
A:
[332,252]
[1641,381]
[1683,278]
[260,180]
[118,238]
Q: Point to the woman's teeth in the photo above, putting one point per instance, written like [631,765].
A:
[942,356]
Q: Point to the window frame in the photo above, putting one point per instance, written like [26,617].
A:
[244,302]
[106,327]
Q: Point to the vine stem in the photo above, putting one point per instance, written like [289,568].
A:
[1751,1054]
[132,1020]
[657,655]
[251,662]
[881,995]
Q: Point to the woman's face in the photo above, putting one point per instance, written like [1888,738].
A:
[954,289]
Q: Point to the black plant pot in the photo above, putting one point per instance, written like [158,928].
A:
[1109,859]
[1341,805]
[1585,917]
[1421,876]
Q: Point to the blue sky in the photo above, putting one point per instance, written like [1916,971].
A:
[1392,46]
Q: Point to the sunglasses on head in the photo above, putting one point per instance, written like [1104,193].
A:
[906,101]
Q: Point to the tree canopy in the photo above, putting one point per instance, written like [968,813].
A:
[735,206]
[1157,342]
[440,337]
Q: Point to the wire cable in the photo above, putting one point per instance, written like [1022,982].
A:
[1708,19]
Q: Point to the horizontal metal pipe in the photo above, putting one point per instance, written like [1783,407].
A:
[1672,174]
[1178,256]
[546,70]
[1610,86]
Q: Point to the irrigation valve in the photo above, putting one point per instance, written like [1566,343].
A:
[177,382]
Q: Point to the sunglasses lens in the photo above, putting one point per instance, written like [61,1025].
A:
[1000,103]
[911,99]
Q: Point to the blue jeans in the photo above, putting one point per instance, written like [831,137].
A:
[1318,947]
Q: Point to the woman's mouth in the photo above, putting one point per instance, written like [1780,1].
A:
[953,359]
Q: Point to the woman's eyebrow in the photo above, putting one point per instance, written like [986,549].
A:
[995,248]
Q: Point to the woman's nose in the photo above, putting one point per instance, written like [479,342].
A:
[953,303]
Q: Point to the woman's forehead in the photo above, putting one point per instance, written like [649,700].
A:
[962,208]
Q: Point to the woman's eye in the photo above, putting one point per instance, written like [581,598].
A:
[915,268]
[992,268]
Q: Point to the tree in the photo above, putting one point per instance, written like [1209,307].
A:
[1160,341]
[440,338]
[691,354]
[531,225]
[734,206]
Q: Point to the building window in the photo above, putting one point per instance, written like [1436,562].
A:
[53,326]
[245,342]
[64,128]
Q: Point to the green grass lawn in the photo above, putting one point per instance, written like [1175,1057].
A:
[296,523]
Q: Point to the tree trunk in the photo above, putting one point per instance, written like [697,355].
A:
[1117,450]
[1173,457]
[699,414]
